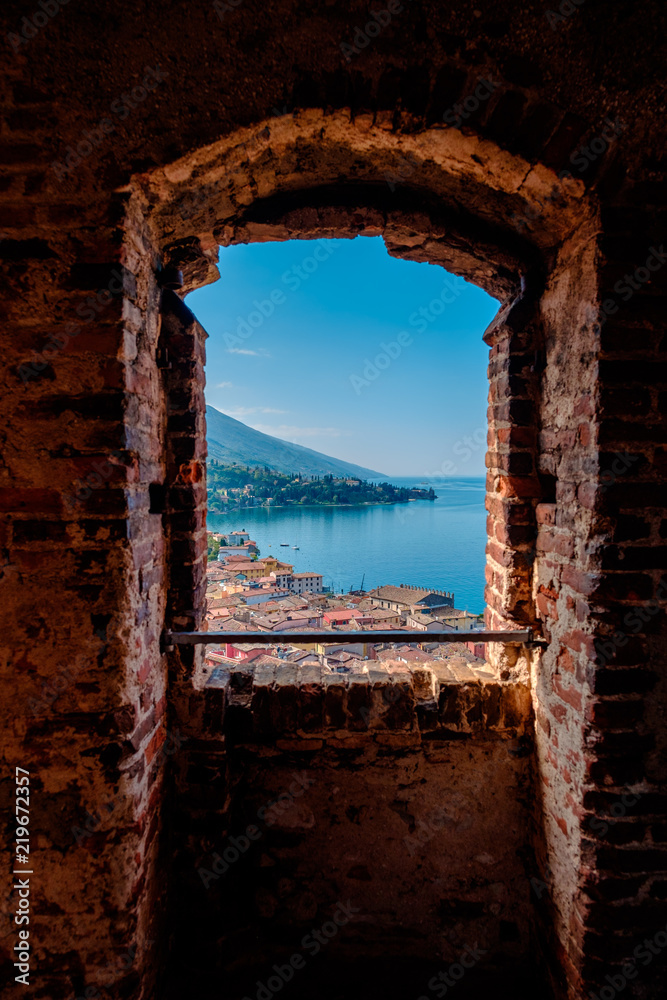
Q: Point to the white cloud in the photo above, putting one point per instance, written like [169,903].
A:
[286,431]
[246,350]
[225,385]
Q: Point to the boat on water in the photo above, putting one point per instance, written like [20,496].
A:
[284,545]
[295,546]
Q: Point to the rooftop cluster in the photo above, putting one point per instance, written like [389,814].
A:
[246,594]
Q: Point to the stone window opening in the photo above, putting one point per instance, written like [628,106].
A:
[308,249]
[510,622]
[312,719]
[415,229]
[416,693]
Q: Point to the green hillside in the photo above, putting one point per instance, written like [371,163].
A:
[231,441]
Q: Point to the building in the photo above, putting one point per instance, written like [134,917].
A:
[344,616]
[216,617]
[384,618]
[362,650]
[405,599]
[462,621]
[295,583]
[236,538]
[282,578]
[408,655]
[285,623]
[245,652]
[477,649]
[273,565]
[247,550]
[260,595]
[427,623]
[302,583]
[247,569]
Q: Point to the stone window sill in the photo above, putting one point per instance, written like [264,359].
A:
[304,708]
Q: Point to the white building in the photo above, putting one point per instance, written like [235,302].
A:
[236,538]
[306,582]
[298,583]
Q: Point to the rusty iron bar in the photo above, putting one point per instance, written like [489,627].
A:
[511,636]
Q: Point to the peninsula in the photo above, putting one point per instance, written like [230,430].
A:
[234,487]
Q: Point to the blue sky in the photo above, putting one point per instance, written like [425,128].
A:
[335,345]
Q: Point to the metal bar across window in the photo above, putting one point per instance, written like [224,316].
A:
[511,636]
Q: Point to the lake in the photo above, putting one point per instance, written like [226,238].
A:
[437,544]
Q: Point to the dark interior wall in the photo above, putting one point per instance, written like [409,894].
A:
[252,61]
[300,792]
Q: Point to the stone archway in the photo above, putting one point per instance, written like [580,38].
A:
[522,234]
[479,210]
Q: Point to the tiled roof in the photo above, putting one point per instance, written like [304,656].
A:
[389,626]
[233,625]
[345,613]
[315,629]
[415,656]
[247,646]
[296,655]
[266,660]
[338,645]
[404,595]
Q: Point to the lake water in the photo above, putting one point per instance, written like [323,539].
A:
[436,544]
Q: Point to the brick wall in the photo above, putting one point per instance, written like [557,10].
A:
[625,852]
[406,785]
[83,561]
[86,584]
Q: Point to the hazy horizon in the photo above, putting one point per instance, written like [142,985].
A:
[396,475]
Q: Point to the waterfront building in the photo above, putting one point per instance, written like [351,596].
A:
[410,599]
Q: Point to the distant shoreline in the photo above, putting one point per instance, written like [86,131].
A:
[300,506]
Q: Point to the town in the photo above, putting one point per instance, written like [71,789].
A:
[248,593]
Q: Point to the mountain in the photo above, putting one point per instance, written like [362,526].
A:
[231,441]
